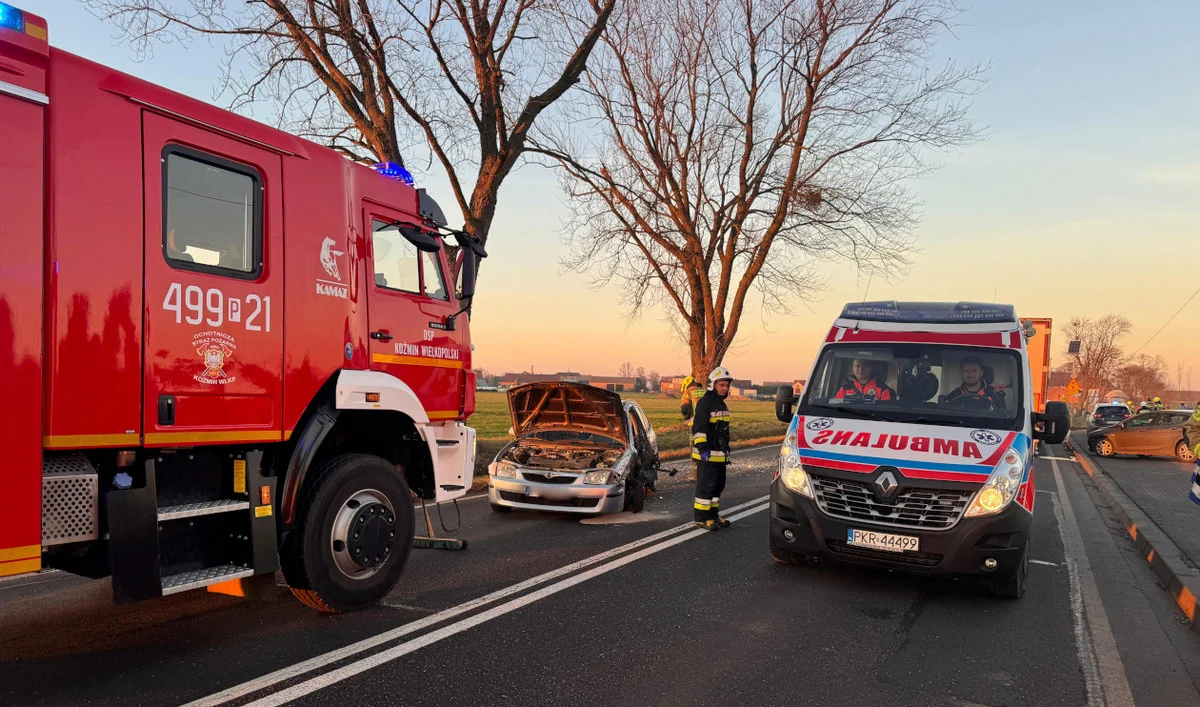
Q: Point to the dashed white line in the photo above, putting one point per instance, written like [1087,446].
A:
[326,659]
[372,661]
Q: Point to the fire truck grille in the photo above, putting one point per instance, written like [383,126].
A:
[70,490]
[935,509]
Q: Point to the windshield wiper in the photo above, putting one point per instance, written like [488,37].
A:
[853,411]
[945,422]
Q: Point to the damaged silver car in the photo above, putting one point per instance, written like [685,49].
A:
[577,449]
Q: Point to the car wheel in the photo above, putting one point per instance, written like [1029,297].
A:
[635,496]
[1105,448]
[354,533]
[1184,454]
[784,556]
[1014,586]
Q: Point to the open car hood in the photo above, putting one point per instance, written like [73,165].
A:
[567,407]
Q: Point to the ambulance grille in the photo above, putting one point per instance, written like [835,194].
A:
[70,491]
[934,509]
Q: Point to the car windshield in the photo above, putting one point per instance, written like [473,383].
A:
[921,383]
[1112,410]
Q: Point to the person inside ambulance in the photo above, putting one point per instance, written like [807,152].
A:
[975,393]
[864,382]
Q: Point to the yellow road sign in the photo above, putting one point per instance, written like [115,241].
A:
[1073,387]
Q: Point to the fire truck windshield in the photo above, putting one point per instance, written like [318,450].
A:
[926,383]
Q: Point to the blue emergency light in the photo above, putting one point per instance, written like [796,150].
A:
[11,18]
[393,171]
[931,312]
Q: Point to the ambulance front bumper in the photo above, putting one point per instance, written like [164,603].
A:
[967,549]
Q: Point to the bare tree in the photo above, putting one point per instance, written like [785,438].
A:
[1142,376]
[1183,376]
[1100,355]
[376,78]
[654,381]
[626,370]
[740,144]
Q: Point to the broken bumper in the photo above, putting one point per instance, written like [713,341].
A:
[584,499]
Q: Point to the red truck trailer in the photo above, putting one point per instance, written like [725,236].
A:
[224,350]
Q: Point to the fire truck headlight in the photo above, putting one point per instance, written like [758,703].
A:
[506,470]
[1001,487]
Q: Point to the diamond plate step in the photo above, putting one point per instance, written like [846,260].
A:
[189,510]
[182,582]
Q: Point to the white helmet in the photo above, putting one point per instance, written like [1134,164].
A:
[720,373]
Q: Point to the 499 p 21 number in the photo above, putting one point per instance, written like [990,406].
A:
[194,305]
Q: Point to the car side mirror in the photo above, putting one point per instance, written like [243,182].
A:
[1055,423]
[785,402]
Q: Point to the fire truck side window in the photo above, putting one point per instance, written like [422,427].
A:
[212,214]
[435,285]
[397,261]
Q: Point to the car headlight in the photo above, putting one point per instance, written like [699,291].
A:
[602,476]
[506,470]
[791,471]
[1001,487]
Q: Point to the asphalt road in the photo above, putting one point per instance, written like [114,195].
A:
[635,609]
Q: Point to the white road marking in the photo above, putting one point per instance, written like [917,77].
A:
[372,661]
[1043,562]
[1104,673]
[325,659]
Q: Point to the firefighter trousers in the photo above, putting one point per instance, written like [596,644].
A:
[710,482]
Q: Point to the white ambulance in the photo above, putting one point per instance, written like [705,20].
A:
[911,447]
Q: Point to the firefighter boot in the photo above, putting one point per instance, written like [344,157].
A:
[709,524]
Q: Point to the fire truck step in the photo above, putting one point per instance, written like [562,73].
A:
[204,508]
[182,582]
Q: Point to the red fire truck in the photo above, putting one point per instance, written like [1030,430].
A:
[224,350]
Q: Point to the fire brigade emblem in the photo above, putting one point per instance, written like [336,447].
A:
[214,348]
[987,437]
[819,423]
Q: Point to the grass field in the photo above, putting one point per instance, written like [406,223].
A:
[749,421]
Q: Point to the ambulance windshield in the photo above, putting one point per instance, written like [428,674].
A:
[924,383]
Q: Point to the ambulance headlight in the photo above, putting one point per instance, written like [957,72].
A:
[791,471]
[1001,487]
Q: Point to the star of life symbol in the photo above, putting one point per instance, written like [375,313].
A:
[214,348]
[986,437]
[329,258]
[819,423]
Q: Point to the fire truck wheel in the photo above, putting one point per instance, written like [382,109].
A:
[355,532]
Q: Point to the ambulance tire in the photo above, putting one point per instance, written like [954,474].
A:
[333,500]
[1014,586]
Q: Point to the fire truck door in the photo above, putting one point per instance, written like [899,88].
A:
[409,302]
[214,286]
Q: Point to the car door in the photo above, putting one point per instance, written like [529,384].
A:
[408,309]
[1165,431]
[1132,437]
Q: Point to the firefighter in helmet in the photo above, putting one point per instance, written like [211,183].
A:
[710,449]
[689,396]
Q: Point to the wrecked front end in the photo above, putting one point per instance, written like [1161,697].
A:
[562,472]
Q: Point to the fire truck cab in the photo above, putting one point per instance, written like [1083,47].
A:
[224,350]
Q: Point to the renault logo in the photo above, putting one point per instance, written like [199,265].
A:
[886,485]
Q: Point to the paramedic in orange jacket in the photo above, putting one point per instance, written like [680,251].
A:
[863,381]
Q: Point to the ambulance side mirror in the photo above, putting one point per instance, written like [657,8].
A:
[785,403]
[1055,423]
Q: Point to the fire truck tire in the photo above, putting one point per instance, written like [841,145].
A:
[355,532]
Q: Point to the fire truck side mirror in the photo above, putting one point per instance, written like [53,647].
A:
[467,273]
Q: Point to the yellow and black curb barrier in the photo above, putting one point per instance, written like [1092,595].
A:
[1164,556]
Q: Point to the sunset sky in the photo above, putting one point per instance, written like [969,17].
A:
[1084,200]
